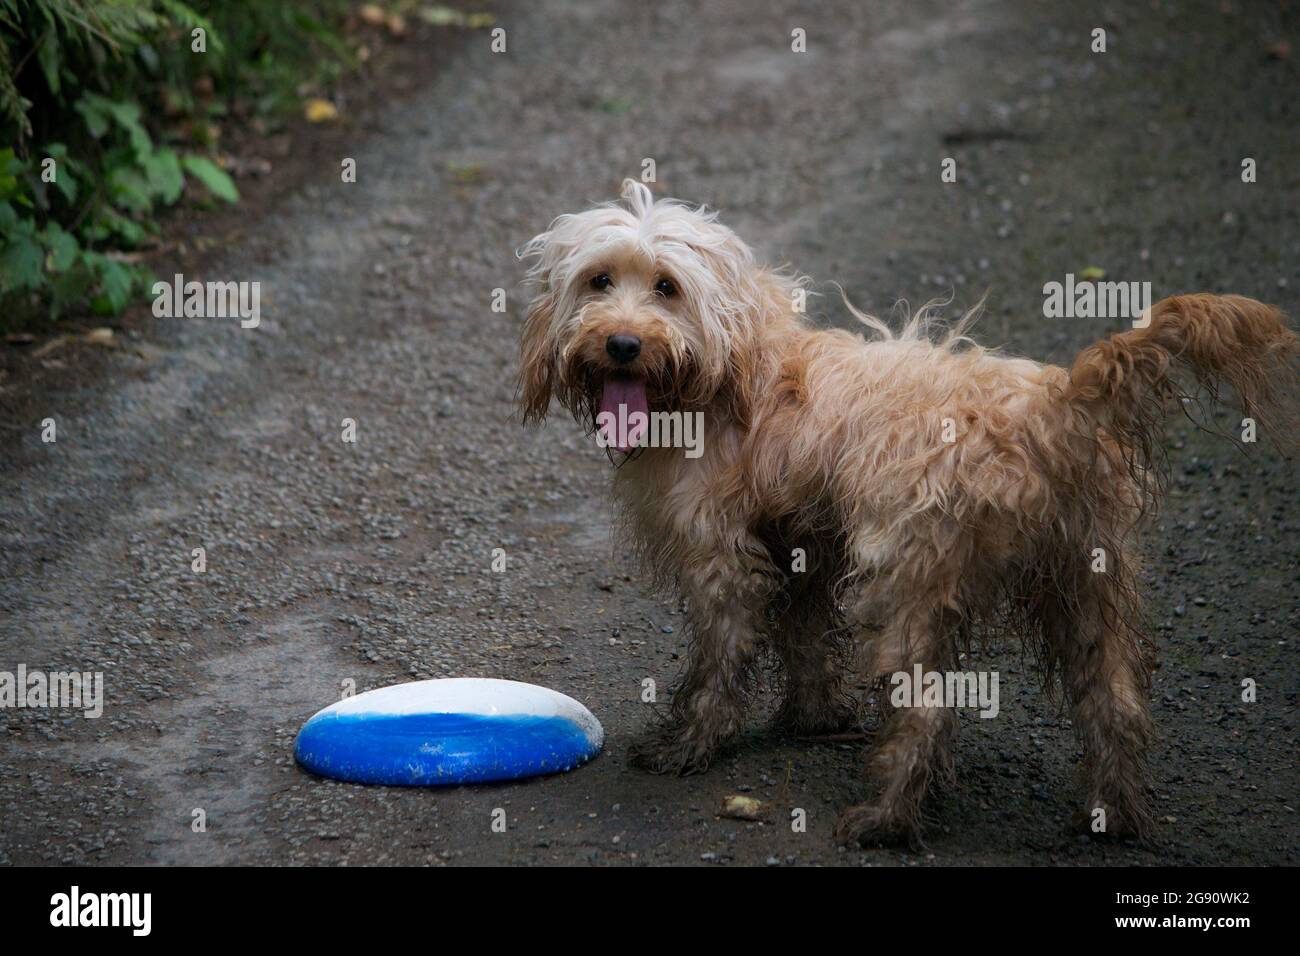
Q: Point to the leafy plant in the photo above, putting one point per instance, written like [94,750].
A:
[108,106]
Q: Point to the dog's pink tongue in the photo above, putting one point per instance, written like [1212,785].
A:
[629,393]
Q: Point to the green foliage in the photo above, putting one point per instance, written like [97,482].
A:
[212,176]
[109,109]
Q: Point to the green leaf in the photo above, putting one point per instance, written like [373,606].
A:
[47,54]
[99,110]
[23,226]
[212,176]
[163,171]
[126,113]
[70,287]
[97,120]
[62,248]
[116,281]
[20,263]
[10,167]
[128,230]
[129,189]
[66,184]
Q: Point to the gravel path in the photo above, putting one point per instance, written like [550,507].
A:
[370,562]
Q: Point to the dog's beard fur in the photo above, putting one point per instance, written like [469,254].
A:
[822,441]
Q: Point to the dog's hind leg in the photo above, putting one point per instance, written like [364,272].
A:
[727,586]
[1105,667]
[912,743]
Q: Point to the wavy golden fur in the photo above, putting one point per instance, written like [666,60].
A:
[835,444]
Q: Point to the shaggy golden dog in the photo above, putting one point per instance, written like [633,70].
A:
[863,506]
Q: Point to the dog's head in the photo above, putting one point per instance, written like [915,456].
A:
[645,304]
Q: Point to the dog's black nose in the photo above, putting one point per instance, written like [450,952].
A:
[623,348]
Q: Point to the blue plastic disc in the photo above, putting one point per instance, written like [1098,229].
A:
[437,732]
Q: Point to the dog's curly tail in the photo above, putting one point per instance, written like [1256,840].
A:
[1127,383]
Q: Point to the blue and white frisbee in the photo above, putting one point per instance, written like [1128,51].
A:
[439,732]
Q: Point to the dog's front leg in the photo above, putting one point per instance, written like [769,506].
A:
[727,589]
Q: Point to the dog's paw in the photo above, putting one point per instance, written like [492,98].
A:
[670,751]
[831,718]
[868,824]
[1104,821]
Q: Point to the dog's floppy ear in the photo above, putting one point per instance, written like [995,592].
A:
[536,362]
[536,380]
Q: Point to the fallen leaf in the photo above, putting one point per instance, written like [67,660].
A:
[396,24]
[101,336]
[372,14]
[319,111]
[442,16]
[466,175]
[1092,273]
[737,806]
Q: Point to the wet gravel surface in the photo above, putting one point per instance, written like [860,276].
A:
[330,562]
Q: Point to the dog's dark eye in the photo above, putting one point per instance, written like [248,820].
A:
[601,281]
[666,288]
